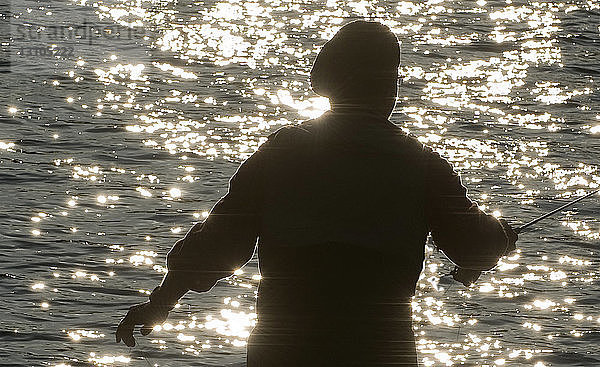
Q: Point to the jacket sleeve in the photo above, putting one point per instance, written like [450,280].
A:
[468,237]
[225,241]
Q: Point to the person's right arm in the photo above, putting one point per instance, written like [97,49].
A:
[469,237]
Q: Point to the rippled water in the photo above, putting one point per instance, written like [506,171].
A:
[114,145]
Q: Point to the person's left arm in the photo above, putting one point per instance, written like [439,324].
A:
[210,251]
[225,241]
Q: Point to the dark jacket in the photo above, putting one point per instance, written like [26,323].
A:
[341,207]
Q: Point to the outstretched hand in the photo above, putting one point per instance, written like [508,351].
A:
[146,314]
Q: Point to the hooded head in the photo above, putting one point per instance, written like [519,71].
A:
[358,68]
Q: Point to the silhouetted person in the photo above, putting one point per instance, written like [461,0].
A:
[341,207]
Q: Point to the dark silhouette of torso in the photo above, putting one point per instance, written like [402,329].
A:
[341,243]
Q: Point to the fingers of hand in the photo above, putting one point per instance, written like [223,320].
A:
[146,329]
[125,333]
[512,240]
[510,232]
[465,276]
[142,314]
[125,328]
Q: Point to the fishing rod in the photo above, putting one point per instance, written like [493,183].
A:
[468,277]
[524,226]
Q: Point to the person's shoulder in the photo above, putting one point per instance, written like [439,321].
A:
[292,132]
[414,145]
[407,139]
[434,160]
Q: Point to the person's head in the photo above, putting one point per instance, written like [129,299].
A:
[358,68]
